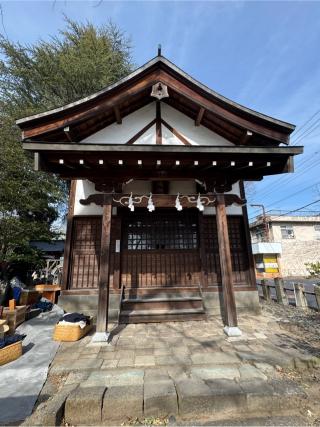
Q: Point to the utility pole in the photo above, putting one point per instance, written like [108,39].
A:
[265,222]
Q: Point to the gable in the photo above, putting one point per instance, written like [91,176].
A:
[138,120]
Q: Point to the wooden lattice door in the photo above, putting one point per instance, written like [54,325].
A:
[160,249]
[85,252]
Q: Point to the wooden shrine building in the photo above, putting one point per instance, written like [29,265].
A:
[157,226]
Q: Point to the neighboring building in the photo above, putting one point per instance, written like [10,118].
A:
[156,163]
[293,242]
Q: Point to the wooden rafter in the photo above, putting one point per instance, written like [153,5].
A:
[199,117]
[67,132]
[117,113]
[245,137]
[158,124]
[176,133]
[141,132]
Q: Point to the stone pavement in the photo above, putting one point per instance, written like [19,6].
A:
[184,369]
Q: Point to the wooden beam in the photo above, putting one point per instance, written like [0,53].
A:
[68,118]
[67,246]
[194,149]
[162,200]
[117,113]
[220,111]
[230,312]
[158,124]
[140,133]
[176,133]
[199,117]
[103,302]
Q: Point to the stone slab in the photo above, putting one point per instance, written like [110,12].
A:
[114,378]
[210,373]
[160,398]
[84,405]
[218,358]
[260,396]
[122,402]
[269,357]
[195,398]
[249,372]
[228,397]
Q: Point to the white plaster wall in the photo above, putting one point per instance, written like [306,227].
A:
[83,189]
[196,135]
[231,210]
[133,123]
[138,187]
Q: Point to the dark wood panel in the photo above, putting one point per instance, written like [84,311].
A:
[160,249]
[238,247]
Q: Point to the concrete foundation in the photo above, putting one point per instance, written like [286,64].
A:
[246,301]
[88,304]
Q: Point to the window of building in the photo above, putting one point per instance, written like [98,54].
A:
[260,234]
[317,231]
[287,231]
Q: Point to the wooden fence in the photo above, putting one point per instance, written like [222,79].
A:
[294,293]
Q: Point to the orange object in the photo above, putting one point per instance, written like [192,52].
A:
[12,304]
[48,291]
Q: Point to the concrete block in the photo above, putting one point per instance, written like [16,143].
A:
[122,402]
[195,398]
[160,398]
[228,397]
[260,395]
[84,405]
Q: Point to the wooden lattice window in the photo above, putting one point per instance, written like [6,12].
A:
[161,231]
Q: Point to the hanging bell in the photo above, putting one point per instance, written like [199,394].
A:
[159,91]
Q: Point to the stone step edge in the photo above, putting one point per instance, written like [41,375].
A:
[160,299]
[161,312]
[58,404]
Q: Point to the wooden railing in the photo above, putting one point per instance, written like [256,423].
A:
[294,294]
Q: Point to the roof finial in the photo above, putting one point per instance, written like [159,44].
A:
[159,49]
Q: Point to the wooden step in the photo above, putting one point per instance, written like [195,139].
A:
[162,303]
[165,292]
[164,315]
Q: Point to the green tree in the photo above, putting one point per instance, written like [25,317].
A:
[80,60]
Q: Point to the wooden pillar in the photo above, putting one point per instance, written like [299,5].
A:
[67,245]
[230,312]
[103,303]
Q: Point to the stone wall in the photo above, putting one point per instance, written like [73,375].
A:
[295,254]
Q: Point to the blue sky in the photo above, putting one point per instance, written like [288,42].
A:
[264,55]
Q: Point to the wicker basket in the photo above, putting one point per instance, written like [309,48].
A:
[71,332]
[10,353]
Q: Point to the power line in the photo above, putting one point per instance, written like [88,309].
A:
[305,123]
[288,197]
[292,211]
[298,209]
